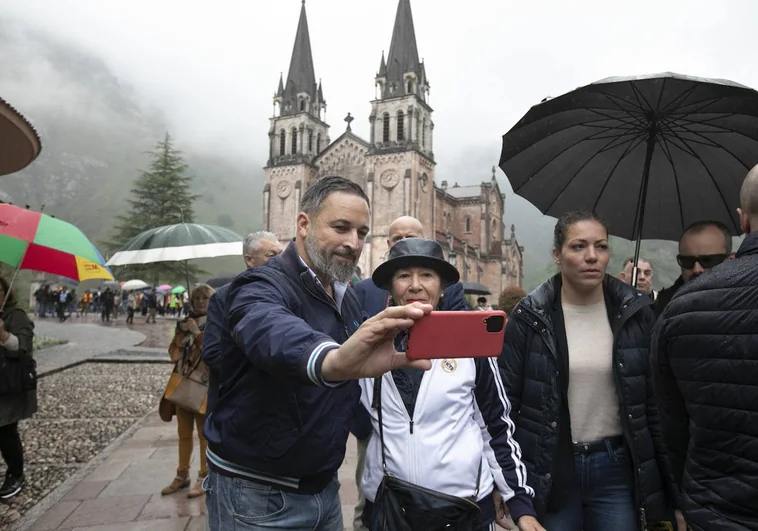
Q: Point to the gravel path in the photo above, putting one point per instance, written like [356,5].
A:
[84,341]
[81,410]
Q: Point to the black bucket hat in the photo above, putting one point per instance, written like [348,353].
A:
[415,252]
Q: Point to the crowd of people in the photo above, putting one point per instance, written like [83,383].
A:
[611,406]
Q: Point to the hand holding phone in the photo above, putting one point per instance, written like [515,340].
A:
[441,335]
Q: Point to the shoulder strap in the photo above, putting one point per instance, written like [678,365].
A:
[377,404]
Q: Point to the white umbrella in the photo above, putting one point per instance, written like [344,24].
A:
[180,242]
[134,284]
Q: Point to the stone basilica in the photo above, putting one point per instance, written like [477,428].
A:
[395,166]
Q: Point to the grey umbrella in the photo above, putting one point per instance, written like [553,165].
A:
[182,241]
[650,154]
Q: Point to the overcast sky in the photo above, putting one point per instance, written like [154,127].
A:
[213,66]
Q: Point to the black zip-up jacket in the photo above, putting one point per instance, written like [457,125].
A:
[705,360]
[535,376]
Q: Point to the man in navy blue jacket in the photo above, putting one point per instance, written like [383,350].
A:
[278,431]
[257,249]
[374,300]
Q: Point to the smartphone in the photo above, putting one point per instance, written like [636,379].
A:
[441,335]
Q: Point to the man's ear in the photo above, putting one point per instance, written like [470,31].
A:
[303,224]
[744,221]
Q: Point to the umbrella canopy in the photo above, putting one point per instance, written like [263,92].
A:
[650,154]
[164,287]
[178,289]
[35,241]
[217,282]
[474,288]
[19,142]
[135,284]
[183,241]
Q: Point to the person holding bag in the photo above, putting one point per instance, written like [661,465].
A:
[18,386]
[187,389]
[443,439]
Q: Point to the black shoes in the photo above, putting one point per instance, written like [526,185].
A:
[11,486]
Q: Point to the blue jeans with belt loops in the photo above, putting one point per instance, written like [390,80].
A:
[235,504]
[602,497]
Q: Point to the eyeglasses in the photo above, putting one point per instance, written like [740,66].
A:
[708,261]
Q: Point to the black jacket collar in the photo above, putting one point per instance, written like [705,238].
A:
[620,298]
[749,245]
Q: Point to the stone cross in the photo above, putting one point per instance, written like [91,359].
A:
[349,119]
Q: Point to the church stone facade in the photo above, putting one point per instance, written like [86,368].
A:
[395,166]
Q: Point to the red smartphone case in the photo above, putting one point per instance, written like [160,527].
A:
[441,335]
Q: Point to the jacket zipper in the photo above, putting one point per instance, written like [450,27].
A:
[622,318]
[333,306]
[420,399]
[551,345]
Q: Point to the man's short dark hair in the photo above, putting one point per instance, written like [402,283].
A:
[315,195]
[700,226]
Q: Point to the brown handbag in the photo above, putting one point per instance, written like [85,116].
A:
[188,385]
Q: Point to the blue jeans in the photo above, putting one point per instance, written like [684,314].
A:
[602,499]
[235,504]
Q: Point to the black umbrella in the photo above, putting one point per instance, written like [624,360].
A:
[217,282]
[650,154]
[474,288]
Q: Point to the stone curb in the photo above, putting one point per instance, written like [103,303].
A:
[104,358]
[41,507]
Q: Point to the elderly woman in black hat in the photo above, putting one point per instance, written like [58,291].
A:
[446,430]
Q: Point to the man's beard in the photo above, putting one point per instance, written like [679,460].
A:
[325,265]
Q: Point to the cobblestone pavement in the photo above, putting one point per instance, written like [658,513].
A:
[81,411]
[118,494]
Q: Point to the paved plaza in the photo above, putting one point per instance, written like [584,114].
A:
[119,490]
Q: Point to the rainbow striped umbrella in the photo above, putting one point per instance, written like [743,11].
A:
[35,241]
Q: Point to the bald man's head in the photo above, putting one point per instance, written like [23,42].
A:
[748,210]
[404,227]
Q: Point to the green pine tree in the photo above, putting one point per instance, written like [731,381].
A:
[162,195]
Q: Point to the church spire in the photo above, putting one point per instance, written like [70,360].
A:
[301,92]
[403,64]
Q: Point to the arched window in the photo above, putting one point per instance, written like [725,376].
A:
[294,141]
[468,223]
[410,87]
[386,127]
[282,143]
[400,126]
[310,141]
[318,143]
[423,133]
[302,105]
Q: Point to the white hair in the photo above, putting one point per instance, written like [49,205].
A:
[252,241]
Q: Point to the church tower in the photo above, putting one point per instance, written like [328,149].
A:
[401,159]
[298,133]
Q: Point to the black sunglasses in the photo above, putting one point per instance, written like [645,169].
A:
[708,261]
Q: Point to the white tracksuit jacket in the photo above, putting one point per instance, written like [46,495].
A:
[461,418]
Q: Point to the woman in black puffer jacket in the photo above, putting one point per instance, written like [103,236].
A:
[576,370]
